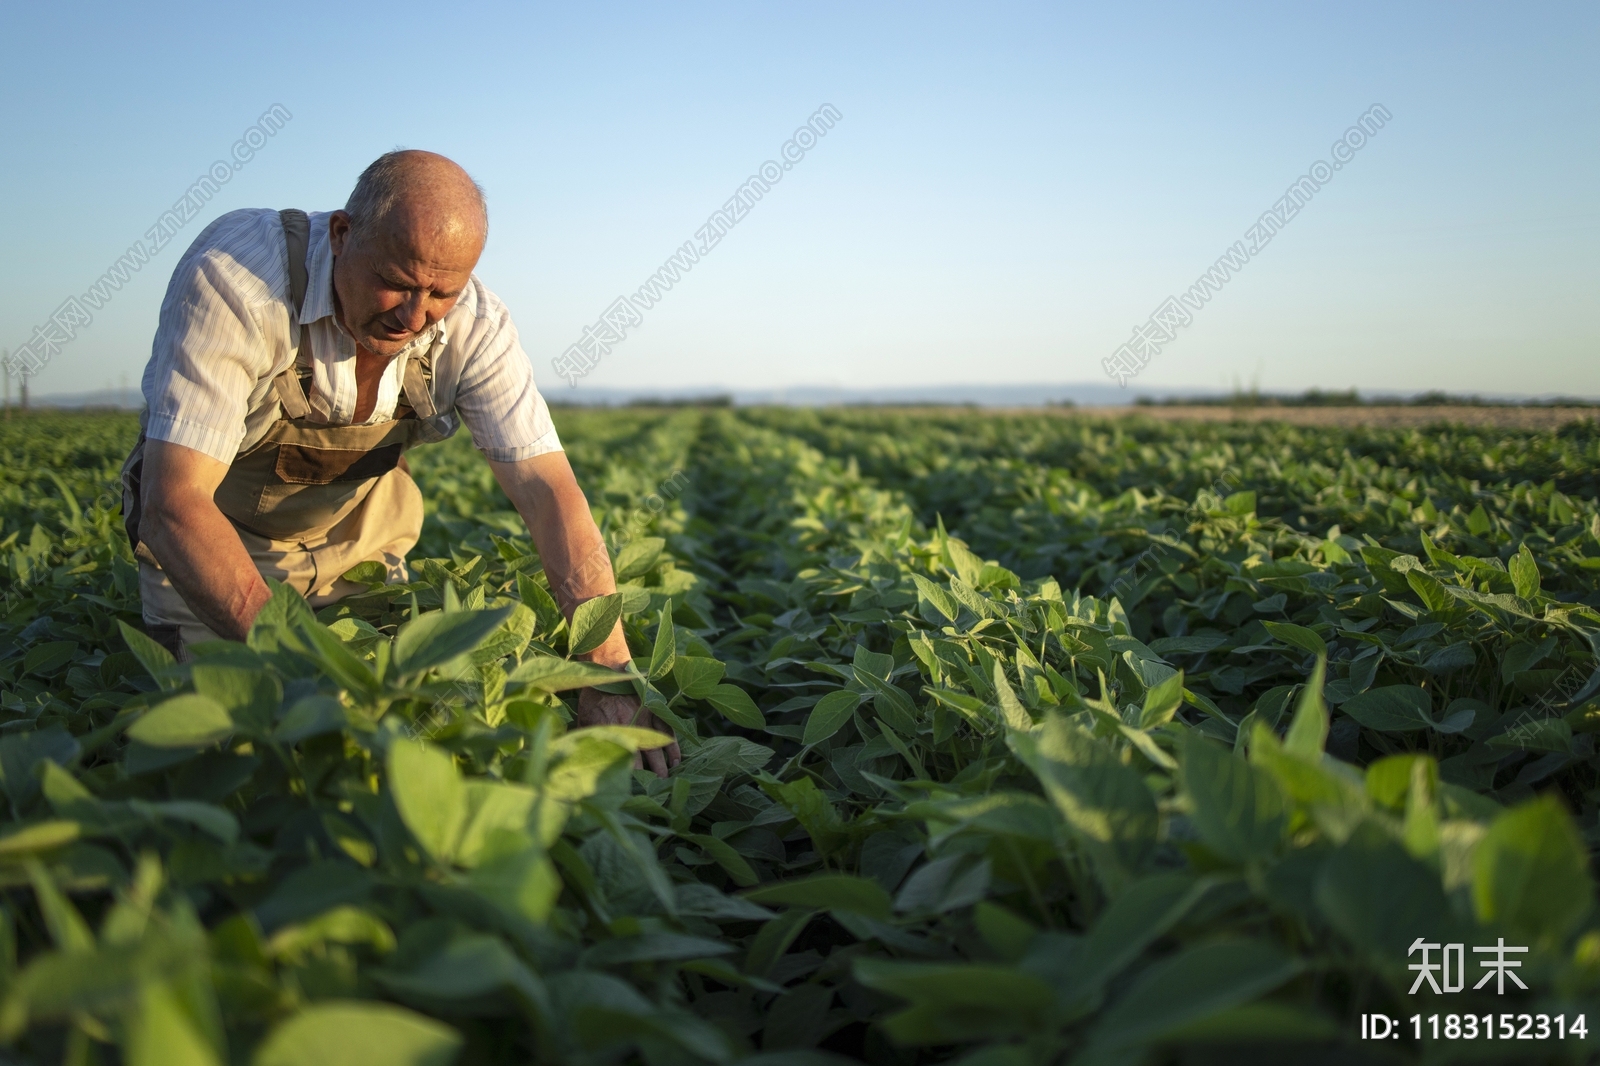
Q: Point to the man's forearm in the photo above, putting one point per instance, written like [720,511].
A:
[546,495]
[202,556]
[579,569]
[576,562]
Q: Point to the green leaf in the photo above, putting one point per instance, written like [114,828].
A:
[1192,985]
[335,1033]
[436,638]
[1381,899]
[666,648]
[937,597]
[543,605]
[165,1032]
[1107,804]
[42,836]
[1524,573]
[826,892]
[1308,731]
[593,622]
[1389,778]
[310,717]
[655,947]
[965,565]
[774,939]
[429,794]
[637,557]
[629,737]
[48,657]
[1135,918]
[371,573]
[340,925]
[891,701]
[829,716]
[1429,590]
[736,706]
[1457,719]
[953,1002]
[725,856]
[1332,792]
[696,675]
[1534,734]
[522,883]
[1161,702]
[1299,636]
[1392,708]
[1531,871]
[1011,709]
[971,598]
[21,755]
[1007,934]
[283,615]
[338,661]
[492,806]
[1266,1022]
[188,721]
[67,928]
[1240,503]
[1238,809]
[212,819]
[251,697]
[156,660]
[547,673]
[315,888]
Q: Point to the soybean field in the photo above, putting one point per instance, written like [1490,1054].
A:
[1008,741]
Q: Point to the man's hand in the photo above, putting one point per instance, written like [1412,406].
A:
[193,540]
[546,495]
[602,708]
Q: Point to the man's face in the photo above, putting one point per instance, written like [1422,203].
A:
[393,283]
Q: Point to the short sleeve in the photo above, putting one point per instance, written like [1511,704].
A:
[496,395]
[210,350]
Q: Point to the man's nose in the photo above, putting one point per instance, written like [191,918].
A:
[413,313]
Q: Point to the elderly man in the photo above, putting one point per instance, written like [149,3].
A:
[296,359]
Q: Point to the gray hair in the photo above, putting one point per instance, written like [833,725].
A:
[381,186]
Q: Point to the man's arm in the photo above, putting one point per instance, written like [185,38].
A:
[193,540]
[546,495]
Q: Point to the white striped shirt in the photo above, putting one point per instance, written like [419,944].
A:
[225,334]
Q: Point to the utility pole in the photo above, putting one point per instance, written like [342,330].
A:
[5,359]
[24,394]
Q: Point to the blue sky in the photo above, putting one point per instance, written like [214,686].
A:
[1011,189]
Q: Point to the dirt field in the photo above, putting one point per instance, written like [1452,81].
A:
[1498,417]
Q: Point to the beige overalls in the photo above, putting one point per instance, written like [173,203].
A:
[309,501]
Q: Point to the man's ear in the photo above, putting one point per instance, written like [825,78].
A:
[338,232]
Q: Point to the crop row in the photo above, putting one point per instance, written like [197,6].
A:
[1022,740]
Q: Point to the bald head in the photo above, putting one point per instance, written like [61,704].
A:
[417,195]
[404,247]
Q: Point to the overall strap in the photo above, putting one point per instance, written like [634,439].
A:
[418,374]
[297,235]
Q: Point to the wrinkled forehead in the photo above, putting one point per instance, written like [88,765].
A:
[437,241]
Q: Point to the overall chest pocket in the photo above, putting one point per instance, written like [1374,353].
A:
[303,464]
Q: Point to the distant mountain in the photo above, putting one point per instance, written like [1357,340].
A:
[1029,395]
[127,399]
[796,396]
[1081,394]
